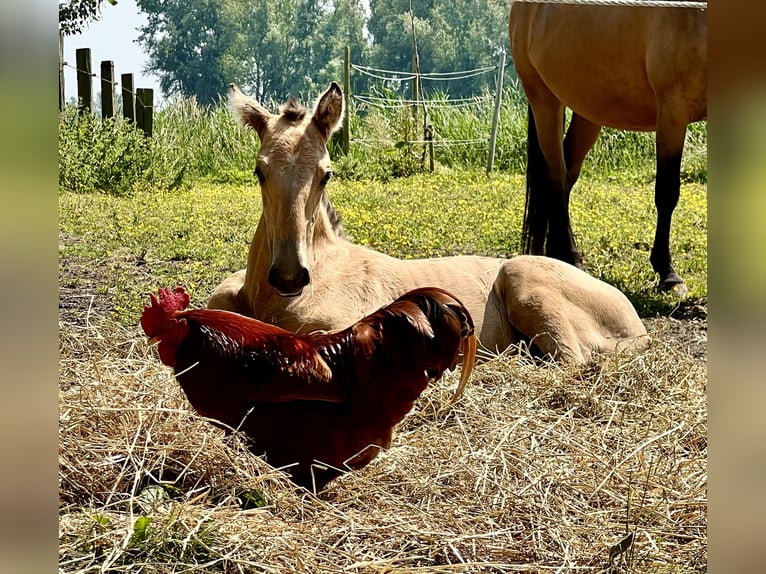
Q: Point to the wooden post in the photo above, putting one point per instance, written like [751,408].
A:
[107,89]
[128,97]
[428,136]
[345,141]
[415,84]
[84,80]
[145,109]
[62,97]
[496,114]
[413,124]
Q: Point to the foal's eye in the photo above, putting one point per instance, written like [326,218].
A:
[259,174]
[326,178]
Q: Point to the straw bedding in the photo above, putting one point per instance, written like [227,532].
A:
[538,468]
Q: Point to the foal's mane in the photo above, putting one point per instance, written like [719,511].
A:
[293,111]
[335,219]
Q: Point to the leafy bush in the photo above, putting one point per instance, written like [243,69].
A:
[111,156]
[190,143]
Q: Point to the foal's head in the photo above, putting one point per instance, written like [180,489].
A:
[293,167]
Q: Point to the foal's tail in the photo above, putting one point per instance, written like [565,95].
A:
[536,211]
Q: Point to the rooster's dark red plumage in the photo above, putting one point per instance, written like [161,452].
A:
[317,405]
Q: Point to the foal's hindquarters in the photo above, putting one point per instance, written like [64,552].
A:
[562,310]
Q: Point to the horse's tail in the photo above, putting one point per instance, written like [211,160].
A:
[536,212]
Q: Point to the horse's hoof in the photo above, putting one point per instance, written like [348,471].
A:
[677,289]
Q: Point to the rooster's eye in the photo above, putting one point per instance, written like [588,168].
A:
[259,174]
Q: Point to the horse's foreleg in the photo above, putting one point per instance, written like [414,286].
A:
[671,133]
[228,295]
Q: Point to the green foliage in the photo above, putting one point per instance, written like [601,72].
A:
[380,136]
[434,216]
[189,144]
[251,498]
[166,539]
[192,46]
[194,237]
[112,156]
[452,35]
[694,166]
[202,143]
[75,15]
[140,530]
[272,49]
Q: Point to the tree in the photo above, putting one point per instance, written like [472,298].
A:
[452,36]
[75,15]
[192,46]
[280,45]
[271,48]
[277,48]
[344,26]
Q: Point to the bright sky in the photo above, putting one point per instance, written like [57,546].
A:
[113,37]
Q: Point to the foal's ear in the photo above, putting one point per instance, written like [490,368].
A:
[328,112]
[248,112]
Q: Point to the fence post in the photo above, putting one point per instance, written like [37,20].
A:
[428,136]
[107,89]
[62,99]
[346,134]
[128,97]
[415,85]
[496,115]
[145,109]
[84,79]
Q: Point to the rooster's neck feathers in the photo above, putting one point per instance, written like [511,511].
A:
[237,336]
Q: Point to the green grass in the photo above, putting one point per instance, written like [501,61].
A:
[197,236]
[181,207]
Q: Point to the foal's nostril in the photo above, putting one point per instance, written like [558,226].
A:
[274,280]
[289,284]
[303,277]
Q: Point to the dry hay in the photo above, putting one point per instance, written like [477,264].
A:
[536,469]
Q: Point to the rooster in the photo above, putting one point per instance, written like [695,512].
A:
[316,405]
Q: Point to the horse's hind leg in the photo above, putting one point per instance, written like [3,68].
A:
[535,209]
[671,132]
[580,138]
[554,187]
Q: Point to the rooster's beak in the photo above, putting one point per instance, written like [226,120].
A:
[153,341]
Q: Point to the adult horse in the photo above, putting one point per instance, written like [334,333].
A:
[303,275]
[633,68]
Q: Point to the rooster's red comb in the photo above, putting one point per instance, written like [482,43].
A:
[155,316]
[175,300]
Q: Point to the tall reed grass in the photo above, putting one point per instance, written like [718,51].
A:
[193,143]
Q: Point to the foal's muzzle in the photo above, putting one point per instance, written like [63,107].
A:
[289,284]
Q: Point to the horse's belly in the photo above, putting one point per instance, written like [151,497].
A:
[611,65]
[617,109]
